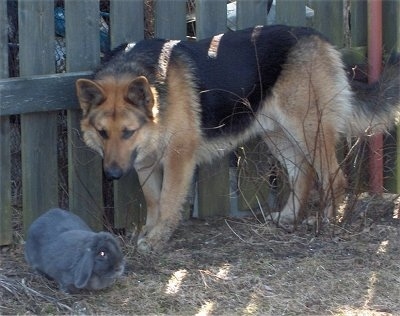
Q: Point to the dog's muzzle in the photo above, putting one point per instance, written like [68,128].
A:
[114,172]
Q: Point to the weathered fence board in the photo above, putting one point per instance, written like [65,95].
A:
[129,204]
[210,18]
[3,40]
[131,14]
[5,180]
[38,131]
[212,177]
[251,193]
[251,13]
[291,12]
[37,98]
[359,17]
[5,157]
[391,40]
[39,93]
[170,19]
[328,19]
[85,171]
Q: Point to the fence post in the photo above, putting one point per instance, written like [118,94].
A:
[252,185]
[170,19]
[5,153]
[38,130]
[213,179]
[327,15]
[129,203]
[131,14]
[84,166]
[251,13]
[374,72]
[291,12]
[391,42]
[358,22]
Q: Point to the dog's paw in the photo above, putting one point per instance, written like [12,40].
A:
[283,218]
[310,221]
[144,247]
[152,239]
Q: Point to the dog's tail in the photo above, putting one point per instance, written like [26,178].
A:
[376,106]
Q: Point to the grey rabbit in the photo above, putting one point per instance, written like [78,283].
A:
[61,246]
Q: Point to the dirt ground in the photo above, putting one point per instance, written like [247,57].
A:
[238,267]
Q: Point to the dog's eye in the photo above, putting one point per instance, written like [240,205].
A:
[103,133]
[127,133]
[102,254]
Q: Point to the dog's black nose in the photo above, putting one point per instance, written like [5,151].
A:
[113,173]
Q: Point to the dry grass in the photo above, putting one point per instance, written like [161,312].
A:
[239,267]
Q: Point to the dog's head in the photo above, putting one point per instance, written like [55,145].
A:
[117,116]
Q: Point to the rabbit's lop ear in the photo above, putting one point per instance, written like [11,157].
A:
[83,270]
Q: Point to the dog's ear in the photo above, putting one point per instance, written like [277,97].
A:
[139,94]
[89,94]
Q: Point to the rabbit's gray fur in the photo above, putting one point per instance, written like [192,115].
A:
[61,246]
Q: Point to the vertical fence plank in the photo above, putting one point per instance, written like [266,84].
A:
[170,19]
[170,23]
[355,166]
[5,154]
[251,13]
[328,19]
[291,12]
[5,177]
[253,187]
[84,167]
[129,204]
[38,130]
[210,18]
[391,43]
[358,21]
[126,21]
[213,179]
[391,25]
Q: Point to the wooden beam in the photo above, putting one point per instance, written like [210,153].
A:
[213,178]
[85,173]
[39,93]
[38,130]
[5,141]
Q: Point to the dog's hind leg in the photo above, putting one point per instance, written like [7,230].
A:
[300,175]
[330,176]
[312,152]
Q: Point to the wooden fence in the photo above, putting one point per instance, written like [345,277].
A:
[39,94]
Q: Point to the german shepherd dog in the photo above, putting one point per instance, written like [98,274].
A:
[165,106]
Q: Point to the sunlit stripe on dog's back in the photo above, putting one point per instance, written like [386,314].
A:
[256,33]
[129,46]
[164,57]
[214,44]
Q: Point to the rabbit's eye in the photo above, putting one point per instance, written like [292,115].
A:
[102,254]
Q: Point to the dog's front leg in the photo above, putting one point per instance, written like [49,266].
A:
[151,182]
[177,175]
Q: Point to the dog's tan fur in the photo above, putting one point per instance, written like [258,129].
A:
[310,105]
